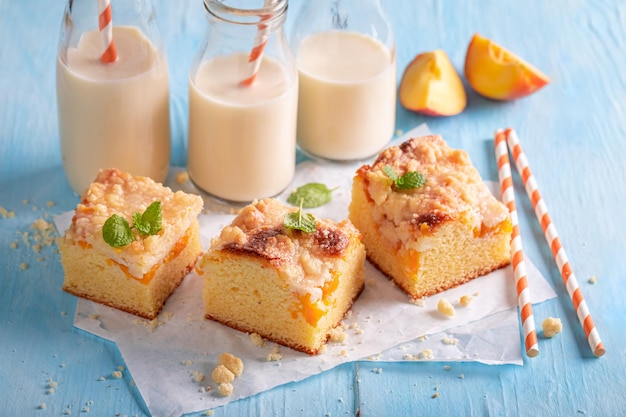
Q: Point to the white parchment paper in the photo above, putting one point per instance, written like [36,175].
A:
[171,358]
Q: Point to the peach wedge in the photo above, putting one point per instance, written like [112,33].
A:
[497,73]
[430,85]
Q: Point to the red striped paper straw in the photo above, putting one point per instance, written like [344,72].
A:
[517,253]
[256,54]
[558,252]
[105,26]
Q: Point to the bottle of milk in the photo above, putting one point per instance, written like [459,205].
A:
[243,97]
[345,53]
[112,91]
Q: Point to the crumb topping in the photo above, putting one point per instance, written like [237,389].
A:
[116,192]
[453,190]
[306,260]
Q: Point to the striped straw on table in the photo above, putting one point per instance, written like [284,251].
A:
[558,252]
[517,253]
[105,26]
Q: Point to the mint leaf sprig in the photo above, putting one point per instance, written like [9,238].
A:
[313,194]
[300,221]
[407,181]
[117,232]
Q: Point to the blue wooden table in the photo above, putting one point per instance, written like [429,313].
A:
[573,132]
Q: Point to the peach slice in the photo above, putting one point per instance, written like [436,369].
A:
[497,73]
[430,85]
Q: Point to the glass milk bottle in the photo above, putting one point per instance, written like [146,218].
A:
[243,96]
[345,53]
[112,91]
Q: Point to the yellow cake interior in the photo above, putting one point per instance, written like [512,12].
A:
[286,286]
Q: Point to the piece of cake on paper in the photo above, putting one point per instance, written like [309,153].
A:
[137,277]
[428,220]
[290,286]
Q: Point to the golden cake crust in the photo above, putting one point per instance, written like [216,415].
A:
[117,192]
[448,221]
[453,189]
[139,277]
[258,231]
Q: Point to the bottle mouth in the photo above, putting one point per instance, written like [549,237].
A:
[244,12]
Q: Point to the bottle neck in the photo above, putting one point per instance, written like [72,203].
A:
[271,13]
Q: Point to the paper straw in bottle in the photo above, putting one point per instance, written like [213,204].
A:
[105,26]
[256,54]
[517,254]
[558,252]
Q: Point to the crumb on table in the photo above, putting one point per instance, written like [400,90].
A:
[445,307]
[551,326]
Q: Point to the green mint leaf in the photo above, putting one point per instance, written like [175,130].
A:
[311,195]
[139,225]
[411,180]
[300,221]
[117,232]
[388,170]
[407,181]
[151,220]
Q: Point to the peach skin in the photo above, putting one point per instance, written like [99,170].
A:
[430,85]
[497,73]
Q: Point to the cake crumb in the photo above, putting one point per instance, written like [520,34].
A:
[447,367]
[23,266]
[377,370]
[551,326]
[420,302]
[426,354]
[465,300]
[257,340]
[197,376]
[445,307]
[6,214]
[449,341]
[592,280]
[187,362]
[208,413]
[232,362]
[225,389]
[117,374]
[274,355]
[42,406]
[338,334]
[436,395]
[182,177]
[221,374]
